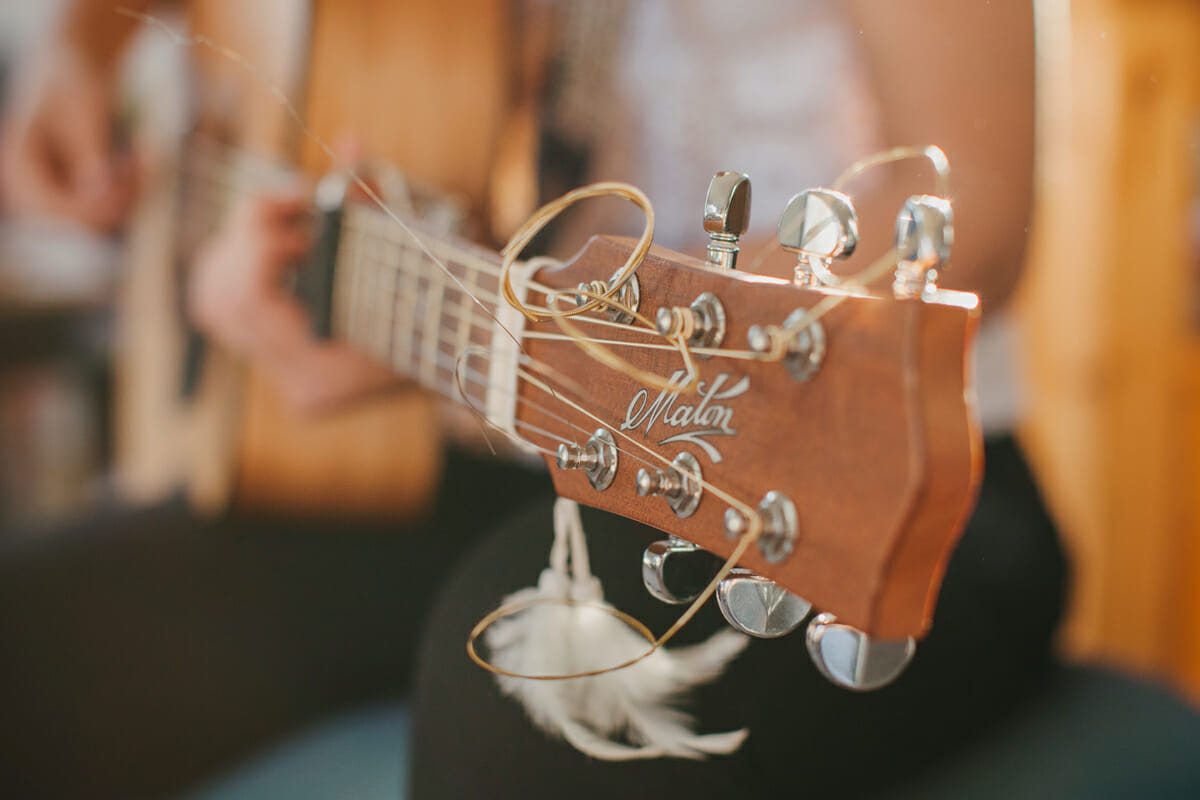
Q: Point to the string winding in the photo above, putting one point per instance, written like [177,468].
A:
[546,214]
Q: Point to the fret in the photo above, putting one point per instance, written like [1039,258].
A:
[353,318]
[370,286]
[436,285]
[463,309]
[406,305]
[383,331]
[406,308]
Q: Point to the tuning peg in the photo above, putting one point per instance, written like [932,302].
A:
[629,296]
[676,571]
[780,525]
[755,605]
[924,235]
[805,351]
[597,458]
[819,225]
[726,216]
[705,318]
[679,483]
[851,659]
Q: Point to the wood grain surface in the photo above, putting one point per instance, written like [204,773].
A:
[879,451]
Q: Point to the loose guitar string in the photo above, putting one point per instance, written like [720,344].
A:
[934,154]
[518,242]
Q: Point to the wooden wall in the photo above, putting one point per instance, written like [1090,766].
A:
[1111,346]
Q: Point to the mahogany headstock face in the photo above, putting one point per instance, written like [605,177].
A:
[877,451]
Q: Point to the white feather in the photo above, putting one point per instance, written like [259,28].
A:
[631,713]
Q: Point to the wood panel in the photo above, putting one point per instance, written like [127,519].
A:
[1105,308]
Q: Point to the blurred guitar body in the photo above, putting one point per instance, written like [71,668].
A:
[420,85]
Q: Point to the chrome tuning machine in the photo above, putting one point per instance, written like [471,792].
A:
[819,225]
[758,606]
[676,571]
[680,484]
[780,526]
[924,236]
[805,351]
[629,296]
[597,458]
[849,658]
[705,318]
[726,217]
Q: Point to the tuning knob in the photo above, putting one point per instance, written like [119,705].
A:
[851,659]
[676,571]
[597,458]
[924,235]
[819,225]
[780,526]
[755,605]
[704,319]
[679,483]
[726,217]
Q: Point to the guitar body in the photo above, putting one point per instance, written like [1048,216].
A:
[359,69]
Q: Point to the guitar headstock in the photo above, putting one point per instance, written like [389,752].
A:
[858,448]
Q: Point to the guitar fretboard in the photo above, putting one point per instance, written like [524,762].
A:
[394,302]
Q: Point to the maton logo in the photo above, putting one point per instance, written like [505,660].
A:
[708,417]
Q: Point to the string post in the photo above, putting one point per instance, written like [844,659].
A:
[628,297]
[681,483]
[800,344]
[597,458]
[544,216]
[702,324]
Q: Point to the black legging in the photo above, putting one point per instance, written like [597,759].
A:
[140,651]
[988,653]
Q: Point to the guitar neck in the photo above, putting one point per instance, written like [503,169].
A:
[393,300]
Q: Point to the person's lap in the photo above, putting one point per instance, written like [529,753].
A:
[144,650]
[988,655]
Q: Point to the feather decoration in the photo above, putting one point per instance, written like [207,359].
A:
[626,714]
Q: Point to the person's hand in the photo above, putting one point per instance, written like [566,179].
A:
[237,295]
[60,155]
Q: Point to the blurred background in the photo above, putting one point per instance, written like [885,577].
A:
[1107,327]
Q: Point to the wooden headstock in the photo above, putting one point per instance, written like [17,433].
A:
[878,451]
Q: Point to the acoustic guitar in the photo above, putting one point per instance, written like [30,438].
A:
[833,419]
[207,425]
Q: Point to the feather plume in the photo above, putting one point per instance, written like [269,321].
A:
[631,713]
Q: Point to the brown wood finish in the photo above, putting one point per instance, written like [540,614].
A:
[420,85]
[163,441]
[953,464]
[877,451]
[1110,337]
[423,88]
